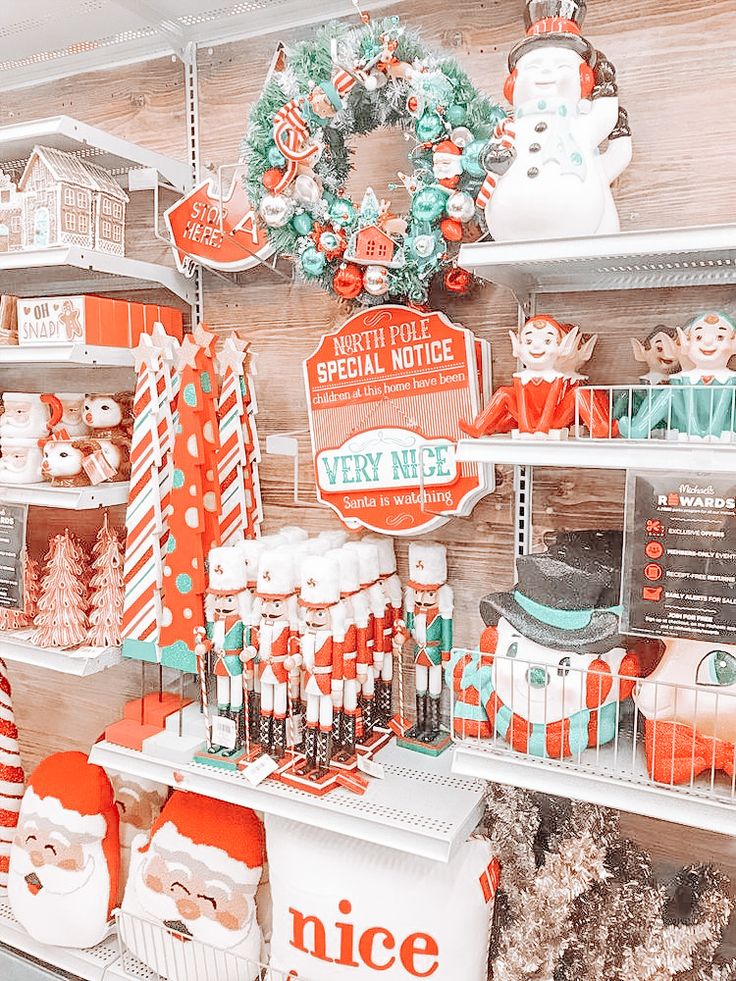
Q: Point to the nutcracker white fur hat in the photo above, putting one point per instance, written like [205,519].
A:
[252,549]
[368,564]
[427,565]
[293,534]
[227,573]
[276,574]
[319,584]
[347,560]
[335,536]
[386,553]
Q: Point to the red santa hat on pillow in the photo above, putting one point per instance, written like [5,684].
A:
[65,858]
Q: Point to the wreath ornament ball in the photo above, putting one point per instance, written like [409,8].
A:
[347,82]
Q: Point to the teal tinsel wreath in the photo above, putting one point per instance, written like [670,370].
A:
[350,81]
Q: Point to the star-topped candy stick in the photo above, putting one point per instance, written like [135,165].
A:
[194,503]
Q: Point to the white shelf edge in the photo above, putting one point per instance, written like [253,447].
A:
[549,778]
[66,133]
[79,354]
[71,498]
[598,454]
[83,662]
[282,801]
[120,267]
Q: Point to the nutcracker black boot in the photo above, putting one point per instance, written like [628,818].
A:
[384,703]
[420,726]
[368,705]
[337,726]
[310,751]
[324,753]
[348,737]
[265,732]
[279,738]
[433,720]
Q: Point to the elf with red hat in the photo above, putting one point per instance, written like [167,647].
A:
[194,880]
[65,857]
[546,176]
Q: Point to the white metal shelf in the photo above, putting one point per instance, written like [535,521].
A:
[700,256]
[600,454]
[599,782]
[71,498]
[91,964]
[18,647]
[69,269]
[111,152]
[72,354]
[419,807]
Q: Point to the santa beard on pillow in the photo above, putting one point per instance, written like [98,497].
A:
[191,910]
[55,886]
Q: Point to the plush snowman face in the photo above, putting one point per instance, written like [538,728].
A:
[61,459]
[537,346]
[710,343]
[548,72]
[102,412]
[694,684]
[538,683]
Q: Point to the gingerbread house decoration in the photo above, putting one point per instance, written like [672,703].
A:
[372,246]
[11,216]
[70,201]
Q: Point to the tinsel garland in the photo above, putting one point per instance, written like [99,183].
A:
[364,110]
[578,902]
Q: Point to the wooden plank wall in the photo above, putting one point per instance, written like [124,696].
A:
[675,79]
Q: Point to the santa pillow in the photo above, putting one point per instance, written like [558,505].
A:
[65,857]
[346,909]
[189,905]
[139,802]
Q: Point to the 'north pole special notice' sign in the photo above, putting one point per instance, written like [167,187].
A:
[385,393]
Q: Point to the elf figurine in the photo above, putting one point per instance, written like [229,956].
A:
[375,599]
[392,590]
[428,611]
[227,583]
[699,403]
[275,644]
[547,177]
[322,634]
[541,401]
[658,351]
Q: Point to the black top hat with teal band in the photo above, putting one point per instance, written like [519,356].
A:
[567,598]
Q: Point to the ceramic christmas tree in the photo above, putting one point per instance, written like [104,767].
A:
[547,178]
[18,619]
[61,620]
[107,588]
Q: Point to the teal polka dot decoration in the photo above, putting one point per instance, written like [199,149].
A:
[206,382]
[178,478]
[171,544]
[184,583]
[190,394]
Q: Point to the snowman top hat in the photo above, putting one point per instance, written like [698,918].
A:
[567,598]
[554,22]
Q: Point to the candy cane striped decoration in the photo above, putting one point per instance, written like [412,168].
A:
[11,775]
[290,133]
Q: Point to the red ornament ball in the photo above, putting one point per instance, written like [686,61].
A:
[348,281]
[271,178]
[451,229]
[457,280]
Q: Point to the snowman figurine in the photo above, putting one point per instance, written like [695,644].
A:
[546,175]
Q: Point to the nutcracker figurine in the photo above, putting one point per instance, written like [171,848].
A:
[375,598]
[391,585]
[251,550]
[322,635]
[355,654]
[428,610]
[275,644]
[541,400]
[227,585]
[700,402]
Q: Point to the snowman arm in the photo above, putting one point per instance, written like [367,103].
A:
[601,119]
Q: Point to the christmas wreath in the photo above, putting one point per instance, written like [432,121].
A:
[347,82]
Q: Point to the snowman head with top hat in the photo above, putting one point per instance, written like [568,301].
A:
[554,60]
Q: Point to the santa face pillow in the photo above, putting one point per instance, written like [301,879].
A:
[139,802]
[189,905]
[346,909]
[65,857]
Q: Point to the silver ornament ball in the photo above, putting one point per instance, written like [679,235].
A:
[460,206]
[461,136]
[306,190]
[276,210]
[375,280]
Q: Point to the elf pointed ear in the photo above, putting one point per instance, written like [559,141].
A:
[569,343]
[683,340]
[587,348]
[514,343]
[640,352]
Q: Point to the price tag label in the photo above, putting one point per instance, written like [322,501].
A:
[371,767]
[224,732]
[259,769]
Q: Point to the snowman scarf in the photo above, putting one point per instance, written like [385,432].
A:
[560,146]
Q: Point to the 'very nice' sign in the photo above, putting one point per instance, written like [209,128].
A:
[385,394]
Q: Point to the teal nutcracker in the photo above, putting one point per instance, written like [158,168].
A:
[428,611]
[226,631]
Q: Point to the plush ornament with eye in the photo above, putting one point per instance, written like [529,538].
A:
[109,416]
[193,879]
[689,706]
[63,461]
[553,664]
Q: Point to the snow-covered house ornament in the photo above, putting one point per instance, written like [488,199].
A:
[11,215]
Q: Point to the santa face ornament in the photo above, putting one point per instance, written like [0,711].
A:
[20,462]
